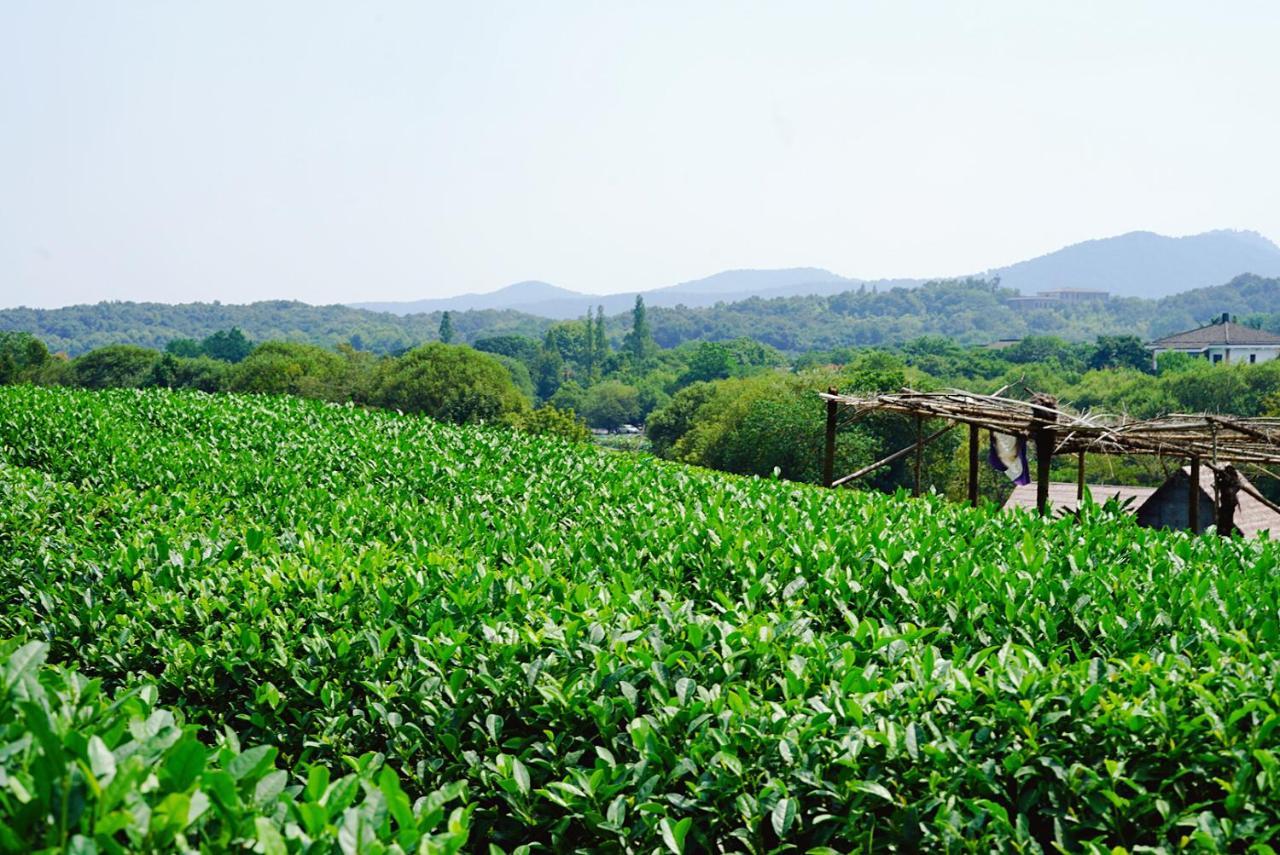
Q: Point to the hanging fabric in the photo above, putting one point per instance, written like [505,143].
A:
[1009,455]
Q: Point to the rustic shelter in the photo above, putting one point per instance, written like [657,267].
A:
[1214,440]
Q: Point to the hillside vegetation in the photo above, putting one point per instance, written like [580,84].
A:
[591,651]
[971,311]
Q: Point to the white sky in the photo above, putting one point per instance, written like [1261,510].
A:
[339,151]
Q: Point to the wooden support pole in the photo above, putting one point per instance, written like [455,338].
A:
[1193,496]
[829,454]
[1044,459]
[1227,480]
[973,465]
[1080,478]
[1044,411]
[919,454]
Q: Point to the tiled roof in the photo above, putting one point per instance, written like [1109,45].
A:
[1252,516]
[1218,334]
[1062,495]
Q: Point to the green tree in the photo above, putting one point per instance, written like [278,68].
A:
[711,360]
[227,345]
[667,424]
[639,341]
[187,348]
[1120,351]
[590,360]
[548,370]
[176,372]
[601,342]
[293,368]
[22,355]
[450,383]
[114,366]
[553,421]
[520,347]
[610,404]
[446,329]
[570,396]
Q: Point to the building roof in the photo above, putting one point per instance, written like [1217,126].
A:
[1221,333]
[1062,495]
[1252,514]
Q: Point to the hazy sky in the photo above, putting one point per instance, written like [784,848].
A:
[335,152]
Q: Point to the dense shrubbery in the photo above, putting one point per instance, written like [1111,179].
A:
[611,652]
[450,383]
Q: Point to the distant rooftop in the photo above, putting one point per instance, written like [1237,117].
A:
[1220,333]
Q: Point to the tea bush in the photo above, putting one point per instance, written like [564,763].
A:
[616,653]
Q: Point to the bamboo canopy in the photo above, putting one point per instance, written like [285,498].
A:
[1229,439]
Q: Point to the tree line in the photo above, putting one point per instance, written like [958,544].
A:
[970,311]
[738,405]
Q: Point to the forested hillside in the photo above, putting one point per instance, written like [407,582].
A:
[970,311]
[76,329]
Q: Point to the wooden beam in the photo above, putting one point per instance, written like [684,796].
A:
[973,465]
[829,454]
[1193,497]
[885,461]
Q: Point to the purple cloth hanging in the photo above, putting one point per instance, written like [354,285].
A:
[1009,455]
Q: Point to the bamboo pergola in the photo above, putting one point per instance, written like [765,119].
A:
[1056,430]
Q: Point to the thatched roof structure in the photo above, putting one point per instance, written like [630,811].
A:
[1205,435]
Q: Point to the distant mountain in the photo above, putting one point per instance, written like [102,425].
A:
[1137,264]
[514,296]
[550,301]
[1145,264]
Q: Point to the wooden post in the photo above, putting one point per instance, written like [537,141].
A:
[1044,458]
[1080,478]
[829,455]
[1227,480]
[1193,496]
[973,465]
[919,453]
[1042,409]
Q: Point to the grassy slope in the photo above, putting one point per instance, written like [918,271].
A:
[652,643]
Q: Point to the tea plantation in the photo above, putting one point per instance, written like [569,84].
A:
[281,625]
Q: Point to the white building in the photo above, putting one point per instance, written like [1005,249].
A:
[1222,341]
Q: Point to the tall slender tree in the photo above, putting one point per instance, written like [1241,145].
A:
[446,328]
[602,344]
[589,359]
[639,341]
